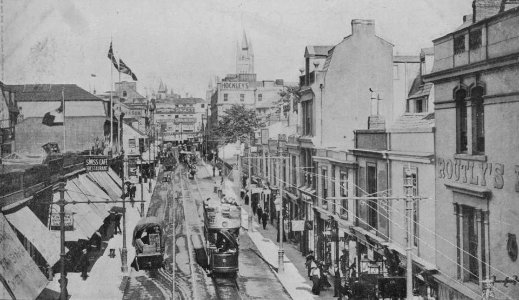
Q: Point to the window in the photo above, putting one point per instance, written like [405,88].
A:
[131,143]
[202,105]
[125,94]
[260,97]
[307,117]
[176,116]
[395,71]
[324,187]
[225,97]
[242,97]
[461,121]
[372,189]
[419,105]
[478,121]
[475,39]
[459,44]
[344,193]
[294,171]
[470,237]
[411,179]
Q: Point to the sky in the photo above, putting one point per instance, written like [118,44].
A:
[187,43]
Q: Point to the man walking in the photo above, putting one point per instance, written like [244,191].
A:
[264,219]
[260,214]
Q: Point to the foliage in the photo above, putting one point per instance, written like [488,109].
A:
[236,121]
[288,95]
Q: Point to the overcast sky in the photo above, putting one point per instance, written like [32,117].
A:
[186,43]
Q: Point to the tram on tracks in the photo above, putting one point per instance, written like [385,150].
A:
[222,223]
[148,240]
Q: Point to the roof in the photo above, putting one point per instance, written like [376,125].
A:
[51,92]
[134,129]
[420,122]
[37,109]
[311,51]
[423,91]
[406,58]
[427,51]
[328,59]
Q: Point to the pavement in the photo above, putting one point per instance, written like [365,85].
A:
[294,278]
[106,279]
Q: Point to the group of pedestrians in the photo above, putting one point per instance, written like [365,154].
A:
[317,273]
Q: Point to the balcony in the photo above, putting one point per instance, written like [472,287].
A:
[306,80]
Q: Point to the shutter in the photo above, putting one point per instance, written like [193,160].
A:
[362,205]
[382,204]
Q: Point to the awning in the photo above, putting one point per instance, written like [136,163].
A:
[85,220]
[101,209]
[363,233]
[115,177]
[291,196]
[422,263]
[25,221]
[17,269]
[104,181]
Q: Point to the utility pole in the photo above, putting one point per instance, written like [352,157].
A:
[281,252]
[142,189]
[124,251]
[408,185]
[63,279]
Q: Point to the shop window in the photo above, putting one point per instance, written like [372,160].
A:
[344,193]
[459,44]
[475,39]
[371,175]
[411,179]
[461,121]
[478,121]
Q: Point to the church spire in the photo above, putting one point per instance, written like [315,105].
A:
[244,43]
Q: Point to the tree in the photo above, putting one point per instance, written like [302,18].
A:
[289,94]
[236,121]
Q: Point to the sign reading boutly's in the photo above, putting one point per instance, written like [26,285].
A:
[96,164]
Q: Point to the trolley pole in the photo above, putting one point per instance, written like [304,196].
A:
[281,252]
[409,250]
[63,280]
[142,192]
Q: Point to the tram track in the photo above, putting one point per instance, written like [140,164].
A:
[226,288]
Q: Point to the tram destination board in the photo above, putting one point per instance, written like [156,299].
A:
[96,164]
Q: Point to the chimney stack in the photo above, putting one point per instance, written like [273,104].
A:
[482,9]
[364,27]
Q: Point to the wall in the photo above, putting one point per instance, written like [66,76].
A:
[360,62]
[81,132]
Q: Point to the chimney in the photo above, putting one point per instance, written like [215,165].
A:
[482,9]
[365,27]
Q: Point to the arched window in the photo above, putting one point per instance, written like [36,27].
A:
[478,120]
[461,121]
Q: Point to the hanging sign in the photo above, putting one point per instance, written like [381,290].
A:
[55,221]
[298,225]
[96,164]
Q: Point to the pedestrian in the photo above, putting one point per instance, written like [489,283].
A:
[83,264]
[323,276]
[246,199]
[213,169]
[118,217]
[254,204]
[337,284]
[315,275]
[309,258]
[260,214]
[264,219]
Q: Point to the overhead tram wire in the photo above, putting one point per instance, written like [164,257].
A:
[421,226]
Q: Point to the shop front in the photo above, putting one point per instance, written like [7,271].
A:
[307,242]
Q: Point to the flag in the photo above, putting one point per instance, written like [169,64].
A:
[123,68]
[57,116]
[112,57]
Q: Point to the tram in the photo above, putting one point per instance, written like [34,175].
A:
[148,240]
[222,227]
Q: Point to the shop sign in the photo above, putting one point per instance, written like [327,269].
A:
[55,221]
[234,85]
[298,225]
[96,164]
[253,149]
[474,172]
[273,145]
[264,136]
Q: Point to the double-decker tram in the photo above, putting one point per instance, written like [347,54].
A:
[222,222]
[148,240]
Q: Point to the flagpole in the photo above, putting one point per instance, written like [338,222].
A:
[111,104]
[64,124]
[120,107]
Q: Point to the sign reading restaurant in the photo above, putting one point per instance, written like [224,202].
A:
[96,164]
[234,85]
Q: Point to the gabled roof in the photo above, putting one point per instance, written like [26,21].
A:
[423,91]
[421,122]
[312,51]
[51,92]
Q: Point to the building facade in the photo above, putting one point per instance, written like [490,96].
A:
[475,78]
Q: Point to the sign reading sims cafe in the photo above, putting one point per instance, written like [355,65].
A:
[96,164]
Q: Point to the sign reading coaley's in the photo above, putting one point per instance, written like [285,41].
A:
[96,164]
[476,172]
[235,85]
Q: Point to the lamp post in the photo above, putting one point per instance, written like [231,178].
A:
[63,277]
[124,251]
